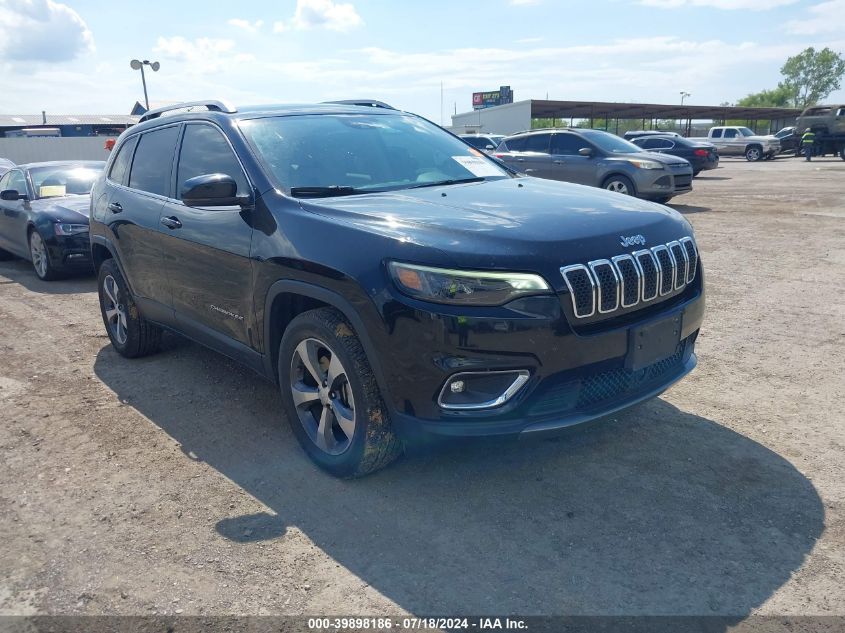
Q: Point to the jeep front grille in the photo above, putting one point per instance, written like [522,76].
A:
[624,281]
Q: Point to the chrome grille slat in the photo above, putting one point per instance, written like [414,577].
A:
[650,274]
[666,265]
[607,282]
[583,295]
[630,280]
[679,254]
[603,286]
[692,257]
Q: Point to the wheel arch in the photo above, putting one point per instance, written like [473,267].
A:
[288,298]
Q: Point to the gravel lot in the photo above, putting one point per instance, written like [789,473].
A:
[172,485]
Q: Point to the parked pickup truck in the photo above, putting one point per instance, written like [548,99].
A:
[740,141]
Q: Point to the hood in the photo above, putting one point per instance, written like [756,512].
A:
[72,209]
[502,223]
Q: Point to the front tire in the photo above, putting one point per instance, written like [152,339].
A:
[620,184]
[131,334]
[331,397]
[39,255]
[753,153]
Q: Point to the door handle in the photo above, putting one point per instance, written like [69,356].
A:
[520,160]
[115,207]
[558,162]
[171,222]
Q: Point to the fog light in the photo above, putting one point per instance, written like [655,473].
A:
[482,389]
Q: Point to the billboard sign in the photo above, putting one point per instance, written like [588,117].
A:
[481,100]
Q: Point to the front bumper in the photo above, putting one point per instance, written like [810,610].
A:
[667,183]
[575,376]
[70,251]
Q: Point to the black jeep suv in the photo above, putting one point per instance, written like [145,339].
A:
[395,282]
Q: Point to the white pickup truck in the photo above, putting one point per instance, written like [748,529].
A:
[740,141]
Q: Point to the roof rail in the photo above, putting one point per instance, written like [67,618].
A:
[363,102]
[188,106]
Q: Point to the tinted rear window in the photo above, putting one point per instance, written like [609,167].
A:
[154,160]
[120,166]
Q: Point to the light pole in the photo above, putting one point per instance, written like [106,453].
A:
[684,95]
[137,64]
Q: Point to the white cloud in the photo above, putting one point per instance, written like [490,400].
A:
[202,55]
[336,16]
[826,17]
[42,31]
[753,5]
[246,25]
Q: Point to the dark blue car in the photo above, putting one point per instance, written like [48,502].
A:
[44,215]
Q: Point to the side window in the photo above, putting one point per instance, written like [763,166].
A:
[567,144]
[538,143]
[840,112]
[716,134]
[662,143]
[646,143]
[516,144]
[206,151]
[730,133]
[17,181]
[153,160]
[120,166]
[4,181]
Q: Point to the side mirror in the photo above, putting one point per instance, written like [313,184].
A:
[586,151]
[211,190]
[490,147]
[11,195]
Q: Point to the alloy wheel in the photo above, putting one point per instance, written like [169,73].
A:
[38,253]
[322,396]
[114,309]
[753,154]
[618,186]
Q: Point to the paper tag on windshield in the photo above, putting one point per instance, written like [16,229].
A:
[478,166]
[50,191]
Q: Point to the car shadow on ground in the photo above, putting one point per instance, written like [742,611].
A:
[655,511]
[697,178]
[688,208]
[20,272]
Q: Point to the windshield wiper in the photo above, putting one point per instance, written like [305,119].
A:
[326,192]
[456,181]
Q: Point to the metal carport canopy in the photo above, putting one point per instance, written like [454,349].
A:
[610,110]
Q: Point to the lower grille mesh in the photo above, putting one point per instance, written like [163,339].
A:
[606,387]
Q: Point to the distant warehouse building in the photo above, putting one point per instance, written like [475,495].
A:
[64,125]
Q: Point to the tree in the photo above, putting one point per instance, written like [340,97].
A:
[812,75]
[780,97]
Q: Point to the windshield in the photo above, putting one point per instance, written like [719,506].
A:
[745,131]
[64,180]
[344,154]
[610,143]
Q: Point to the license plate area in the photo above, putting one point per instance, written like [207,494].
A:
[653,342]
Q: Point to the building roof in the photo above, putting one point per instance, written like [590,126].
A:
[37,120]
[612,110]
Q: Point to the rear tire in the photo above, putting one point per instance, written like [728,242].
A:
[331,398]
[753,153]
[620,184]
[131,335]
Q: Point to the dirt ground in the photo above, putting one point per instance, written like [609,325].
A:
[172,484]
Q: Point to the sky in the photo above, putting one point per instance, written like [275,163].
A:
[73,57]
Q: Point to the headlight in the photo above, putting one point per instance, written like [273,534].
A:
[464,287]
[70,229]
[645,164]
